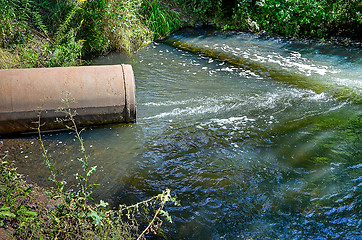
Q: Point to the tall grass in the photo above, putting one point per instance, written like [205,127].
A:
[160,19]
[125,27]
[15,19]
[44,33]
[29,41]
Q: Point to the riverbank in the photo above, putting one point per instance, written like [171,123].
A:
[50,34]
[286,20]
[313,19]
[67,33]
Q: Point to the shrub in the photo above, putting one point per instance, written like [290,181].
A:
[310,18]
[126,29]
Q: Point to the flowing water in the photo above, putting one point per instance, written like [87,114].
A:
[249,157]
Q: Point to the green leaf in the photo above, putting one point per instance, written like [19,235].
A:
[96,218]
[103,203]
[91,171]
[29,189]
[6,214]
[22,224]
[3,208]
[56,220]
[28,213]
[166,215]
[79,176]
[93,185]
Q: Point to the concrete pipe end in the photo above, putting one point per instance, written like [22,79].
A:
[102,95]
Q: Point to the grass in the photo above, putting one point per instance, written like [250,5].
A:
[43,33]
[160,19]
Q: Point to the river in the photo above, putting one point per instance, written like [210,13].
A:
[249,157]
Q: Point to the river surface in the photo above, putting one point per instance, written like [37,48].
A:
[249,157]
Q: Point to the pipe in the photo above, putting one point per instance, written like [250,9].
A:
[102,95]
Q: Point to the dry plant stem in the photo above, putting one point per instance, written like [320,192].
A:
[141,236]
[45,152]
[167,192]
[77,132]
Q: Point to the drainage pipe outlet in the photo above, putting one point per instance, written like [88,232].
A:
[98,94]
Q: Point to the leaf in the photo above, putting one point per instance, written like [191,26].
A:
[91,170]
[166,215]
[29,189]
[56,220]
[28,213]
[7,214]
[3,208]
[79,176]
[93,185]
[96,218]
[103,203]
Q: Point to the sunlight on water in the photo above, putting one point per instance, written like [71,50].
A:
[278,60]
[249,158]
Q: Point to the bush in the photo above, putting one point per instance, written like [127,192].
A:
[14,22]
[309,18]
[126,29]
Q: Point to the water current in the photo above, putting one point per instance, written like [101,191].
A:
[249,157]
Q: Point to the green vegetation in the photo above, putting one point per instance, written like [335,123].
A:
[28,213]
[43,33]
[161,20]
[296,18]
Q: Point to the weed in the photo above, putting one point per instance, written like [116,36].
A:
[71,215]
[12,192]
[160,19]
[125,27]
